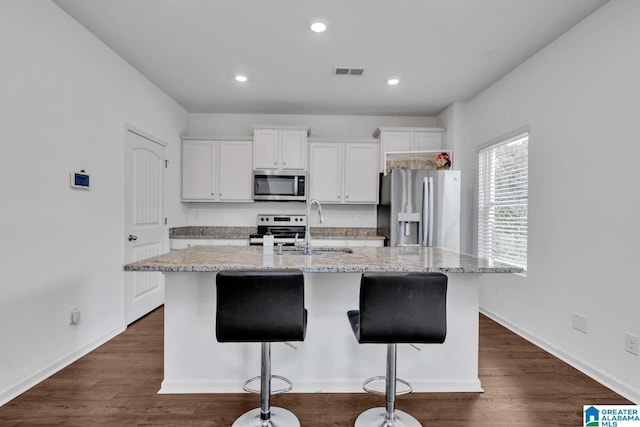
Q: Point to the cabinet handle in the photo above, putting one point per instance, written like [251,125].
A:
[132,237]
[347,197]
[275,163]
[339,197]
[284,163]
[220,194]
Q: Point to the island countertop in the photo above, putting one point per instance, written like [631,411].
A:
[360,260]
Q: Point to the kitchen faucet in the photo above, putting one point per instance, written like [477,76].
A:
[307,234]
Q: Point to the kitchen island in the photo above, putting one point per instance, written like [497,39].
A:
[330,359]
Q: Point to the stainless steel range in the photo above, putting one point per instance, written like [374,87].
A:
[285,229]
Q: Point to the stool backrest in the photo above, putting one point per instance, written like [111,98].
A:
[403,308]
[260,306]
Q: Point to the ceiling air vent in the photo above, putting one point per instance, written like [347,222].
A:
[348,71]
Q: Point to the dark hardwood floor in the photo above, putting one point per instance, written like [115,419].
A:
[116,385]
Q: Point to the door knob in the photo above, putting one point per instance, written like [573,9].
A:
[132,237]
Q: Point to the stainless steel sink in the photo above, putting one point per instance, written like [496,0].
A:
[318,251]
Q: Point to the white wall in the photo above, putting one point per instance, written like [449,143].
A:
[580,98]
[65,100]
[244,214]
[239,214]
[321,126]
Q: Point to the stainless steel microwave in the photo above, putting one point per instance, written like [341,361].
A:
[280,185]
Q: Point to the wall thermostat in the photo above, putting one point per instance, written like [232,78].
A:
[80,180]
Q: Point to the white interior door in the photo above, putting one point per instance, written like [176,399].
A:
[145,229]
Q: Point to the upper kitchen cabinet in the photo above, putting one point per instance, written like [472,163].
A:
[280,148]
[343,173]
[395,139]
[216,171]
[361,173]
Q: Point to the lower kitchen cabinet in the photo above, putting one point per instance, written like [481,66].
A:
[343,173]
[216,171]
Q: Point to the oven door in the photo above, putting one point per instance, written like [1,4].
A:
[279,186]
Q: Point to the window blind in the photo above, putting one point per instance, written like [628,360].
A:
[503,199]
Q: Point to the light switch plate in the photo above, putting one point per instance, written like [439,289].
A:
[631,343]
[579,323]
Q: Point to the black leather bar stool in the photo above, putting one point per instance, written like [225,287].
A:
[262,306]
[398,308]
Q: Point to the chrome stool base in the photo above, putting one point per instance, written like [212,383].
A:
[280,417]
[376,417]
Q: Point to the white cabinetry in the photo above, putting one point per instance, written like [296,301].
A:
[343,172]
[280,148]
[393,140]
[216,171]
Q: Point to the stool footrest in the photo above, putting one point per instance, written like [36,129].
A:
[246,387]
[383,378]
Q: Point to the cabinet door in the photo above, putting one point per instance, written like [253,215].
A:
[234,170]
[426,141]
[361,173]
[397,141]
[198,160]
[265,149]
[294,149]
[394,141]
[325,172]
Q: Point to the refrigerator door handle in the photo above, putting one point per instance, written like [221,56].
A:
[423,214]
[427,212]
[430,190]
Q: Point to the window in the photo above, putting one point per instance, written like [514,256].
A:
[503,193]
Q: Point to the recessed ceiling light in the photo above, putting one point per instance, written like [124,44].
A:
[241,78]
[392,82]
[318,26]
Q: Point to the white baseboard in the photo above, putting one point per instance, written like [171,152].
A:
[20,387]
[603,378]
[312,386]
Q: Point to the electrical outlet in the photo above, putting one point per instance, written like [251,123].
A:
[75,317]
[631,343]
[359,217]
[579,323]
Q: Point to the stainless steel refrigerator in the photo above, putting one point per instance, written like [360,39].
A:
[420,208]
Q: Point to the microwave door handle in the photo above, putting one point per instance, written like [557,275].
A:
[295,186]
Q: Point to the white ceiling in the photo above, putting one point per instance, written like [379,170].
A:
[442,50]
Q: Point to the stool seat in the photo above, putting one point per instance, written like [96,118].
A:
[262,306]
[398,308]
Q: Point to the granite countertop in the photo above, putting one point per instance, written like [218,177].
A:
[345,233]
[207,232]
[335,260]
[325,233]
